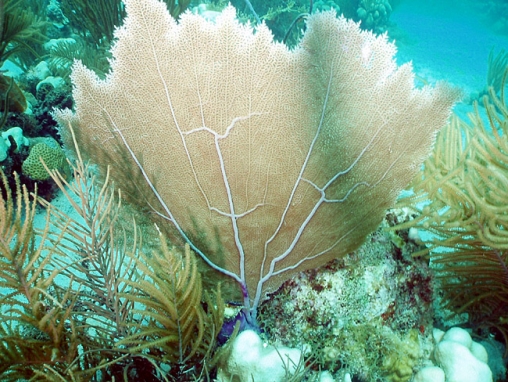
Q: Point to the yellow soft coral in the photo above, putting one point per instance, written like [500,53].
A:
[398,366]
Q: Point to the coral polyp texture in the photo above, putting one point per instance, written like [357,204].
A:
[45,150]
[267,161]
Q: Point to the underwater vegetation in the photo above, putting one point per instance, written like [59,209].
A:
[23,27]
[239,191]
[286,18]
[461,198]
[259,164]
[22,31]
[94,23]
[496,65]
[88,298]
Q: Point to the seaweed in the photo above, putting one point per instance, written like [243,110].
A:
[63,54]
[461,198]
[94,21]
[92,295]
[35,328]
[496,68]
[22,33]
[176,8]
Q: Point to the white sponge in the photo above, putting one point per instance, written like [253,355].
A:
[461,359]
[430,374]
[17,135]
[251,361]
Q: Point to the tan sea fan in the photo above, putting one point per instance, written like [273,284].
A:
[267,161]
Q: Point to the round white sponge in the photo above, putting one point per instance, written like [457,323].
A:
[455,354]
[430,374]
[252,361]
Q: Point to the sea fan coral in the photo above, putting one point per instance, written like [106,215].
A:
[267,161]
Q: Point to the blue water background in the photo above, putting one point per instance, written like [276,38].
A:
[446,40]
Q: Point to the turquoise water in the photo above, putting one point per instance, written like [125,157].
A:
[448,40]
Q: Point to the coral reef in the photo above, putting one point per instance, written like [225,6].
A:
[374,14]
[461,358]
[460,198]
[91,295]
[251,360]
[249,161]
[369,314]
[22,31]
[326,5]
[13,98]
[108,296]
[12,140]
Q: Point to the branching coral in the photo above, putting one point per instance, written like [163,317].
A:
[35,325]
[91,295]
[464,193]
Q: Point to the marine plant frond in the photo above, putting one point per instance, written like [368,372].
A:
[95,21]
[497,64]
[176,8]
[22,32]
[85,297]
[461,198]
[174,326]
[136,309]
[36,327]
[23,352]
[59,284]
[39,8]
[442,177]
[22,270]
[95,247]
[63,54]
